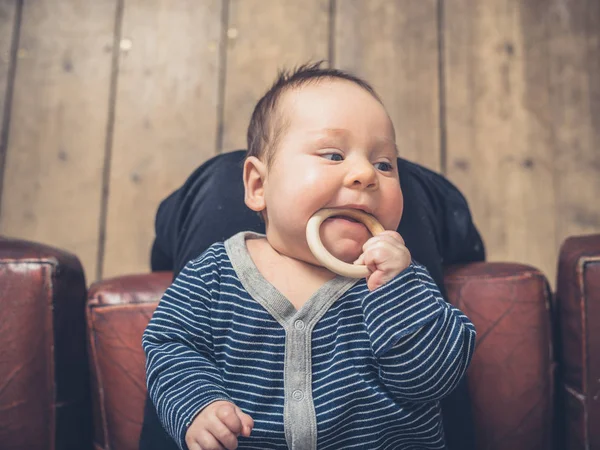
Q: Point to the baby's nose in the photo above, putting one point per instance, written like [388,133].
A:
[363,176]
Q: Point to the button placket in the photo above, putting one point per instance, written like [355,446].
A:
[299,325]
[299,405]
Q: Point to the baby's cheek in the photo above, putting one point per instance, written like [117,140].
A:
[391,210]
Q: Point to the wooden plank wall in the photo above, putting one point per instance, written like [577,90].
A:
[394,45]
[165,120]
[107,106]
[56,130]
[522,126]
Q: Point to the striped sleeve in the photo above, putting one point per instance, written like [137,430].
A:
[423,345]
[181,373]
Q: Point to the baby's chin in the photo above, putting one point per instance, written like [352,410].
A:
[347,250]
[343,241]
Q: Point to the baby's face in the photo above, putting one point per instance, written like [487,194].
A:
[338,151]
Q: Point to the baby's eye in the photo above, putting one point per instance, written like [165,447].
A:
[333,156]
[384,166]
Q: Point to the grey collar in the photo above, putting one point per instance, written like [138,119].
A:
[270,298]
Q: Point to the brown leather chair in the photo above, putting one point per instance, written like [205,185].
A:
[578,300]
[510,378]
[118,311]
[44,378]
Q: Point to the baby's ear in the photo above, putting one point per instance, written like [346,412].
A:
[255,172]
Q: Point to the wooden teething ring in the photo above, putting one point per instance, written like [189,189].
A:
[313,238]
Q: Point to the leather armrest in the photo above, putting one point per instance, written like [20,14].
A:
[511,375]
[578,300]
[117,314]
[44,380]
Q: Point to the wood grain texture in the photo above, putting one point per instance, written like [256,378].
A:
[499,141]
[165,120]
[55,151]
[262,38]
[8,18]
[563,47]
[393,45]
[517,123]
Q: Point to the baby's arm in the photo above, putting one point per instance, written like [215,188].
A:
[423,345]
[181,373]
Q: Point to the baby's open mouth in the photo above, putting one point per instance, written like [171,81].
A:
[350,219]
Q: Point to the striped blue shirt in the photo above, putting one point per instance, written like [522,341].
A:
[350,369]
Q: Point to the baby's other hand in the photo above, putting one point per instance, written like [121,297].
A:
[218,426]
[385,255]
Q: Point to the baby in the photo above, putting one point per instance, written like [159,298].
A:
[256,345]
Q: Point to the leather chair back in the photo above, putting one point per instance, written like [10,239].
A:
[510,378]
[578,298]
[118,312]
[44,378]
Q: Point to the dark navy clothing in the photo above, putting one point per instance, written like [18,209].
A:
[351,368]
[436,226]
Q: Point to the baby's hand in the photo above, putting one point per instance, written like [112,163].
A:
[385,255]
[217,427]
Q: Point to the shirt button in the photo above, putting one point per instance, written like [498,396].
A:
[298,395]
[299,325]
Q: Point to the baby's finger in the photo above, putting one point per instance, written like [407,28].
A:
[370,258]
[393,234]
[383,240]
[226,413]
[206,441]
[222,433]
[376,255]
[247,421]
[360,260]
[376,279]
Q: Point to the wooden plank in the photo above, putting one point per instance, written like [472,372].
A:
[261,40]
[54,160]
[8,32]
[570,37]
[523,83]
[394,46]
[498,129]
[166,117]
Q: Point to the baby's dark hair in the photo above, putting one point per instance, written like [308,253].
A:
[266,126]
